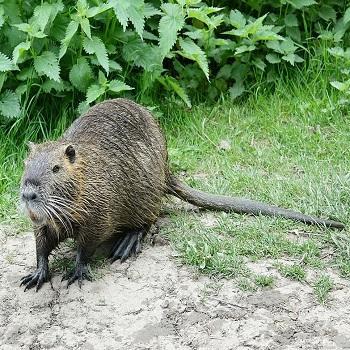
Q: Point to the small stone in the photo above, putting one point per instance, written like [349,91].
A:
[224,145]
[164,304]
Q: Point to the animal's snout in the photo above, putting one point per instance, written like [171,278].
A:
[29,195]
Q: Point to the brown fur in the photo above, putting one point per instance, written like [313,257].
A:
[113,174]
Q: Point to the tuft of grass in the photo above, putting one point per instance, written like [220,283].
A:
[294,272]
[322,287]
[264,280]
[246,284]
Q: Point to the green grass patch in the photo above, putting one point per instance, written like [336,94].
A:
[264,280]
[294,271]
[289,148]
[322,287]
[246,284]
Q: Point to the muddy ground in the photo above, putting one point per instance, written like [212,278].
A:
[154,302]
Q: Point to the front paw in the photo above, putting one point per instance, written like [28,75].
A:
[80,273]
[37,278]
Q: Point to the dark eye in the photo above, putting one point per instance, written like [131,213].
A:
[55,168]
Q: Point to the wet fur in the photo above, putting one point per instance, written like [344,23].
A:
[112,185]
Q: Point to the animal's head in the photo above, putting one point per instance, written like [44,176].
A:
[48,187]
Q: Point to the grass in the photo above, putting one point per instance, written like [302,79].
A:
[294,272]
[289,148]
[322,287]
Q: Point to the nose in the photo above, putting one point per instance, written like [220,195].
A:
[29,195]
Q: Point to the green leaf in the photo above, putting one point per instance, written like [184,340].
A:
[24,27]
[237,19]
[32,29]
[143,55]
[82,7]
[96,10]
[97,47]
[71,30]
[340,86]
[193,52]
[47,64]
[94,92]
[118,86]
[21,89]
[130,10]
[150,10]
[19,51]
[50,85]
[83,107]
[42,15]
[291,20]
[3,77]
[136,15]
[120,9]
[287,46]
[2,17]
[85,26]
[294,33]
[81,75]
[9,104]
[327,12]
[273,58]
[255,26]
[171,22]
[298,4]
[336,51]
[199,14]
[346,18]
[238,32]
[259,63]
[292,58]
[266,35]
[63,50]
[26,74]
[244,48]
[102,80]
[113,65]
[174,85]
[236,90]
[5,63]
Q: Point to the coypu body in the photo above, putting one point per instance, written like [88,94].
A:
[104,180]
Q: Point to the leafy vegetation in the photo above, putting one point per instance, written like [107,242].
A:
[84,51]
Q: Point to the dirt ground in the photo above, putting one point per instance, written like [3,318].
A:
[153,302]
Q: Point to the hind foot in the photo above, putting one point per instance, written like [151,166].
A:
[128,245]
[79,273]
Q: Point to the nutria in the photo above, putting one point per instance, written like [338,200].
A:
[104,179]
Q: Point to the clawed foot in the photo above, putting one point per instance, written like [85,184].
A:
[80,273]
[128,245]
[37,278]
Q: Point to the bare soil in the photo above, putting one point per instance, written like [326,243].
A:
[153,302]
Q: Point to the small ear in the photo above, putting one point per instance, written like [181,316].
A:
[30,145]
[70,153]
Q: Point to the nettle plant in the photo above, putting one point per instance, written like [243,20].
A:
[342,57]
[84,51]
